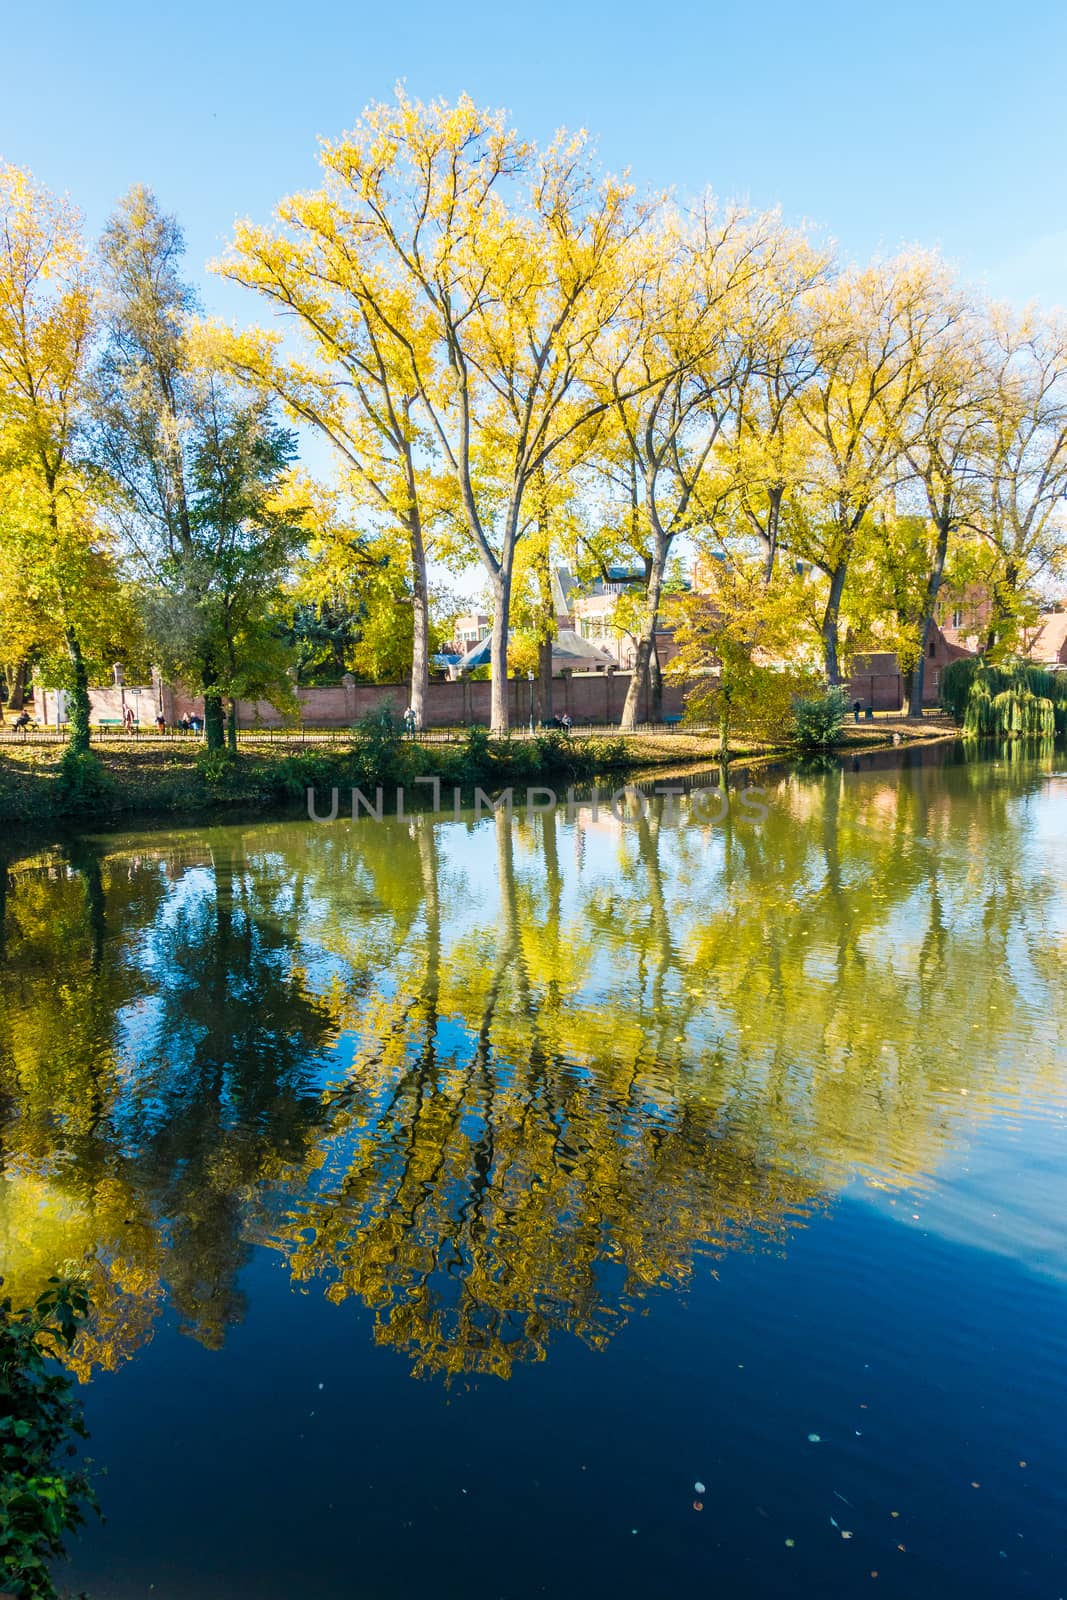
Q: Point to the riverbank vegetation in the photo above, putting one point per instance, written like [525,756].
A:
[219,939]
[518,362]
[1011,699]
[44,1497]
[161,776]
[147,776]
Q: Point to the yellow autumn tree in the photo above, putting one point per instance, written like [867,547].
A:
[488,272]
[741,649]
[868,330]
[1023,465]
[669,375]
[53,545]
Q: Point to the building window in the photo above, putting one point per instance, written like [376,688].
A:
[957,618]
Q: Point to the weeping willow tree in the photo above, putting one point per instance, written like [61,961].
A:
[1013,714]
[1010,701]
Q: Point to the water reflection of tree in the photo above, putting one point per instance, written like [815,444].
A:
[568,1136]
[155,1069]
[511,1187]
[567,1080]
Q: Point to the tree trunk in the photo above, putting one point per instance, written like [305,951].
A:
[500,713]
[420,638]
[79,696]
[908,686]
[17,698]
[213,728]
[547,629]
[544,679]
[774,513]
[647,638]
[655,685]
[1001,612]
[231,726]
[830,623]
[933,588]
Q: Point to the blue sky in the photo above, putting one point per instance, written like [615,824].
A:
[940,123]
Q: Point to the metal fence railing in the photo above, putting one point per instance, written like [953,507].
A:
[302,734]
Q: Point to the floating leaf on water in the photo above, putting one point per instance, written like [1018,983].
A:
[813,1438]
[790,1543]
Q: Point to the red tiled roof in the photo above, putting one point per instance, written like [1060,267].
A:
[1050,642]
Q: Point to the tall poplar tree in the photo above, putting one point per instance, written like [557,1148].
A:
[495,269]
[54,549]
[197,467]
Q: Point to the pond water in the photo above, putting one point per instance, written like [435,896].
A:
[572,1205]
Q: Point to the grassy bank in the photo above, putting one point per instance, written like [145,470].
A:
[37,781]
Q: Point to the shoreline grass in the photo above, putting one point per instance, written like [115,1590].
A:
[147,776]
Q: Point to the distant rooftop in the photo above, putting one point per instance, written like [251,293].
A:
[569,649]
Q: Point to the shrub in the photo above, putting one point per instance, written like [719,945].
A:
[476,754]
[379,745]
[1009,700]
[42,1498]
[957,680]
[217,767]
[1019,714]
[82,784]
[609,753]
[294,775]
[819,720]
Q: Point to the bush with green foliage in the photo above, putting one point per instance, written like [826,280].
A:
[43,1498]
[1012,699]
[819,720]
[380,747]
[217,767]
[83,782]
[551,754]
[476,762]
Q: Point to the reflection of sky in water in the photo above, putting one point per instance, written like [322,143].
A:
[712,1129]
[602,872]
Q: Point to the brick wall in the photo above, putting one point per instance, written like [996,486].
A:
[589,697]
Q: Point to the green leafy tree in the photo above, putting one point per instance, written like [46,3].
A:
[1023,467]
[199,472]
[740,650]
[43,1498]
[54,550]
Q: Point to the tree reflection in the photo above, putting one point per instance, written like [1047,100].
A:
[497,1083]
[152,1072]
